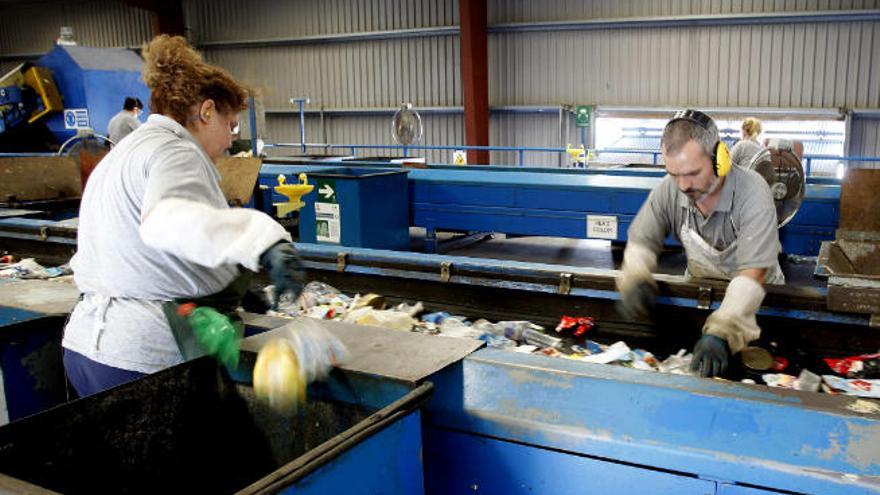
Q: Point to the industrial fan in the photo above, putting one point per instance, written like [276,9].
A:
[782,169]
[406,126]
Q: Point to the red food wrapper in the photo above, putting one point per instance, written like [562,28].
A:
[580,324]
[845,366]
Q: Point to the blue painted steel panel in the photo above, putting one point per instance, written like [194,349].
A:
[9,316]
[462,463]
[728,432]
[559,223]
[373,207]
[463,200]
[388,462]
[30,359]
[725,489]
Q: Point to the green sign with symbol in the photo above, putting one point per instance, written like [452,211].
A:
[326,191]
[582,115]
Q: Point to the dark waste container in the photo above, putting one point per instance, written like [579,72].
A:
[193,429]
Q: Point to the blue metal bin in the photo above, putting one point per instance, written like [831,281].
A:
[357,207]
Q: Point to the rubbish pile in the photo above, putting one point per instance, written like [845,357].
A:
[10,269]
[860,375]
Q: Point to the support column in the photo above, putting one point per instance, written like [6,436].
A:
[166,16]
[475,78]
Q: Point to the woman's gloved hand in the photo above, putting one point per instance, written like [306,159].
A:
[285,269]
[711,355]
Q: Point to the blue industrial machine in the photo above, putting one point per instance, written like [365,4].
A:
[557,203]
[69,89]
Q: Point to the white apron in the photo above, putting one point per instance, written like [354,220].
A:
[704,261]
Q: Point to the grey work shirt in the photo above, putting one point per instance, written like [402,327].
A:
[743,152]
[122,124]
[745,213]
[120,322]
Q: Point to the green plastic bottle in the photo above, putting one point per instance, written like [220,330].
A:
[215,332]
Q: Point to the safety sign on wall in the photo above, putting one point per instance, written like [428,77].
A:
[602,226]
[76,118]
[459,157]
[327,219]
[582,115]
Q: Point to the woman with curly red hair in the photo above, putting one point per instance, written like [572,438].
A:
[154,226]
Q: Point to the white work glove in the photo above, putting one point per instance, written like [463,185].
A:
[635,281]
[734,321]
[299,353]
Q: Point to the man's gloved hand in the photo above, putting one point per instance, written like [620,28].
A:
[284,268]
[635,282]
[637,302]
[711,355]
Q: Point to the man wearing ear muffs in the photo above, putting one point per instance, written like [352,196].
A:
[725,218]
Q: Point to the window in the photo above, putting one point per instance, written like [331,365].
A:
[637,140]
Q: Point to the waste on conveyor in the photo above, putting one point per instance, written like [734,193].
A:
[856,375]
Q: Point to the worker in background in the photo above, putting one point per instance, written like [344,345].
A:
[126,121]
[154,227]
[725,218]
[745,149]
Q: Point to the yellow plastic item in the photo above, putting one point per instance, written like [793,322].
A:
[577,155]
[293,192]
[277,378]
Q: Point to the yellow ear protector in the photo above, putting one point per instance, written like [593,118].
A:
[721,155]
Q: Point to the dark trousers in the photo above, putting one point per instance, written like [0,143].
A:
[90,377]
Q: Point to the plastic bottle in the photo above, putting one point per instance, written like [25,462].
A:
[512,330]
[534,337]
[214,331]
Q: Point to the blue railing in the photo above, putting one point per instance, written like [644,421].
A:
[522,150]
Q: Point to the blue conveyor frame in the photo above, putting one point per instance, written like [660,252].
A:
[503,422]
[556,203]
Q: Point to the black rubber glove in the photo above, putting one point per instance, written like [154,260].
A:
[284,268]
[638,302]
[711,355]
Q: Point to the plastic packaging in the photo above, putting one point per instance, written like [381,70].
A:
[301,352]
[864,366]
[513,330]
[454,326]
[857,387]
[215,332]
[678,364]
[540,339]
[617,351]
[779,380]
[808,381]
[384,318]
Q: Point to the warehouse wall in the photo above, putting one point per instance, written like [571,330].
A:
[31,28]
[864,139]
[809,65]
